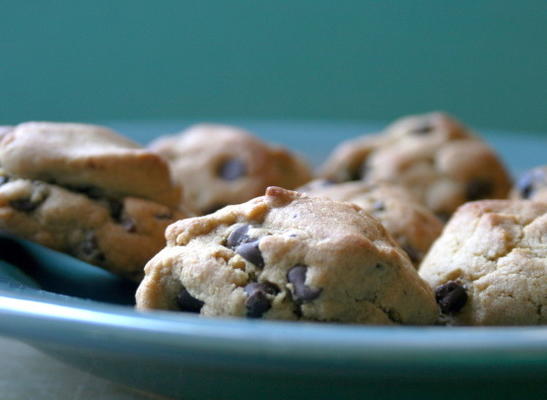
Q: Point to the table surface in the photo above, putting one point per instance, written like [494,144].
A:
[28,374]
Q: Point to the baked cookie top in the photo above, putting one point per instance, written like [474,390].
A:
[219,165]
[489,267]
[532,185]
[433,155]
[287,255]
[411,224]
[86,158]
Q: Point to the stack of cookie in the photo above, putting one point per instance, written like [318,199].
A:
[86,191]
[364,242]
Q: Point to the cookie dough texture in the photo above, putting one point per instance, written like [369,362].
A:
[220,165]
[497,251]
[433,155]
[287,256]
[55,189]
[532,185]
[412,225]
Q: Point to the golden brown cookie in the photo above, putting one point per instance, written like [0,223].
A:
[288,256]
[432,155]
[412,225]
[59,193]
[489,267]
[219,165]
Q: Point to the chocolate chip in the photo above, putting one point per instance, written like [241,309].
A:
[379,206]
[257,302]
[164,216]
[92,192]
[213,208]
[116,208]
[128,224]
[423,129]
[354,174]
[479,189]
[527,183]
[29,204]
[187,302]
[238,236]
[301,292]
[451,297]
[443,216]
[232,169]
[412,253]
[89,251]
[251,253]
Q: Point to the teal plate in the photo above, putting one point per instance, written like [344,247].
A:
[83,316]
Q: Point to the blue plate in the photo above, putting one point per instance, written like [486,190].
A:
[83,316]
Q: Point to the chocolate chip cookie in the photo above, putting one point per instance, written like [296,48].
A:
[220,165]
[489,267]
[412,225]
[433,155]
[287,256]
[55,189]
[532,185]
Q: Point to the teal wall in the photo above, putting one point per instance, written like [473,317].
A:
[485,61]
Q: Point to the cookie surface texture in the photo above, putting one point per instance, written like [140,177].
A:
[58,193]
[433,155]
[219,165]
[489,267]
[412,225]
[287,256]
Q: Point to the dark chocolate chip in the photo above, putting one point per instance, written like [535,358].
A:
[189,303]
[238,236]
[164,216]
[451,297]
[88,250]
[128,224]
[29,204]
[379,206]
[257,302]
[479,189]
[354,174]
[527,182]
[92,192]
[116,208]
[213,208]
[24,205]
[251,253]
[232,169]
[443,216]
[301,292]
[423,129]
[412,253]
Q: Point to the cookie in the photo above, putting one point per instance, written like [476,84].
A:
[532,185]
[116,228]
[432,155]
[87,158]
[220,165]
[489,267]
[287,256]
[412,225]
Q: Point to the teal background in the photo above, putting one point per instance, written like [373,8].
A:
[485,61]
